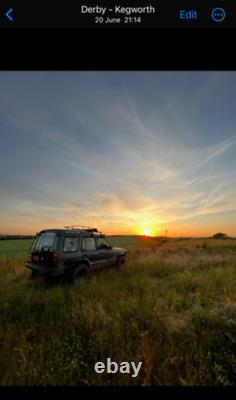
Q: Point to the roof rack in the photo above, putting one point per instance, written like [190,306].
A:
[80,227]
[93,231]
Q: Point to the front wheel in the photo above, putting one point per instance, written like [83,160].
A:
[120,261]
[81,271]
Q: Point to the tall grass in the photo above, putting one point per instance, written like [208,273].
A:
[173,310]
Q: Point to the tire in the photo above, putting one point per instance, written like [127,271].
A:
[81,271]
[120,261]
[34,274]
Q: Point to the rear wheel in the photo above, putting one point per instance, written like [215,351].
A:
[81,271]
[120,261]
[34,274]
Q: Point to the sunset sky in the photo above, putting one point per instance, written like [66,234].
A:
[126,152]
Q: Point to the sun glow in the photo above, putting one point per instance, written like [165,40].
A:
[147,232]
[146,227]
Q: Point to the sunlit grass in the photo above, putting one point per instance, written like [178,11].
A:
[172,307]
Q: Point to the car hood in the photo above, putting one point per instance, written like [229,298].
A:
[119,250]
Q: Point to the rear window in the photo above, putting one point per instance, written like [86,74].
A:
[45,241]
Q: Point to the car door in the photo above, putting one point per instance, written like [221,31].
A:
[70,250]
[90,252]
[106,254]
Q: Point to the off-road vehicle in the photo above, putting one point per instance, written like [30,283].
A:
[72,252]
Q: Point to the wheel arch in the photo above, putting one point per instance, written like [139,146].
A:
[120,256]
[82,261]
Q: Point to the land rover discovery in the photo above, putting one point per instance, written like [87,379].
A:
[72,252]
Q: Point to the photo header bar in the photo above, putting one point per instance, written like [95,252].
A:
[120,14]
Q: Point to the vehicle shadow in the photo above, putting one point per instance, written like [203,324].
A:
[51,282]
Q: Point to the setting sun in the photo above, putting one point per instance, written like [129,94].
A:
[147,232]
[145,228]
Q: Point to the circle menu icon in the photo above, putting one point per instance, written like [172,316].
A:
[218,14]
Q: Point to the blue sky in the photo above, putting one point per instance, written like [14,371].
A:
[119,150]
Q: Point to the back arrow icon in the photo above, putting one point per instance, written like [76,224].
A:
[8,14]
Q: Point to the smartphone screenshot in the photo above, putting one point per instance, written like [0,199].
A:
[117,199]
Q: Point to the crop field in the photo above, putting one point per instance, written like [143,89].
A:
[172,306]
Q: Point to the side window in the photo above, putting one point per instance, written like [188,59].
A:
[101,243]
[89,244]
[71,244]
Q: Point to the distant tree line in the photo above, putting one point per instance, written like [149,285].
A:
[9,237]
[220,235]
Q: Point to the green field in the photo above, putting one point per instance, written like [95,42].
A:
[172,306]
[15,248]
[20,248]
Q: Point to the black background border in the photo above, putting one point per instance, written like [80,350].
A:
[131,392]
[117,49]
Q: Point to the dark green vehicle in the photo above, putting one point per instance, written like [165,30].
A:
[72,252]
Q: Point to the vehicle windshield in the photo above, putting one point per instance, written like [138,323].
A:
[44,241]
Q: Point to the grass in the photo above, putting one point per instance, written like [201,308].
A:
[15,248]
[172,306]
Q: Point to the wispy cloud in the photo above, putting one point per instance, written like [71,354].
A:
[116,155]
[211,153]
[132,107]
